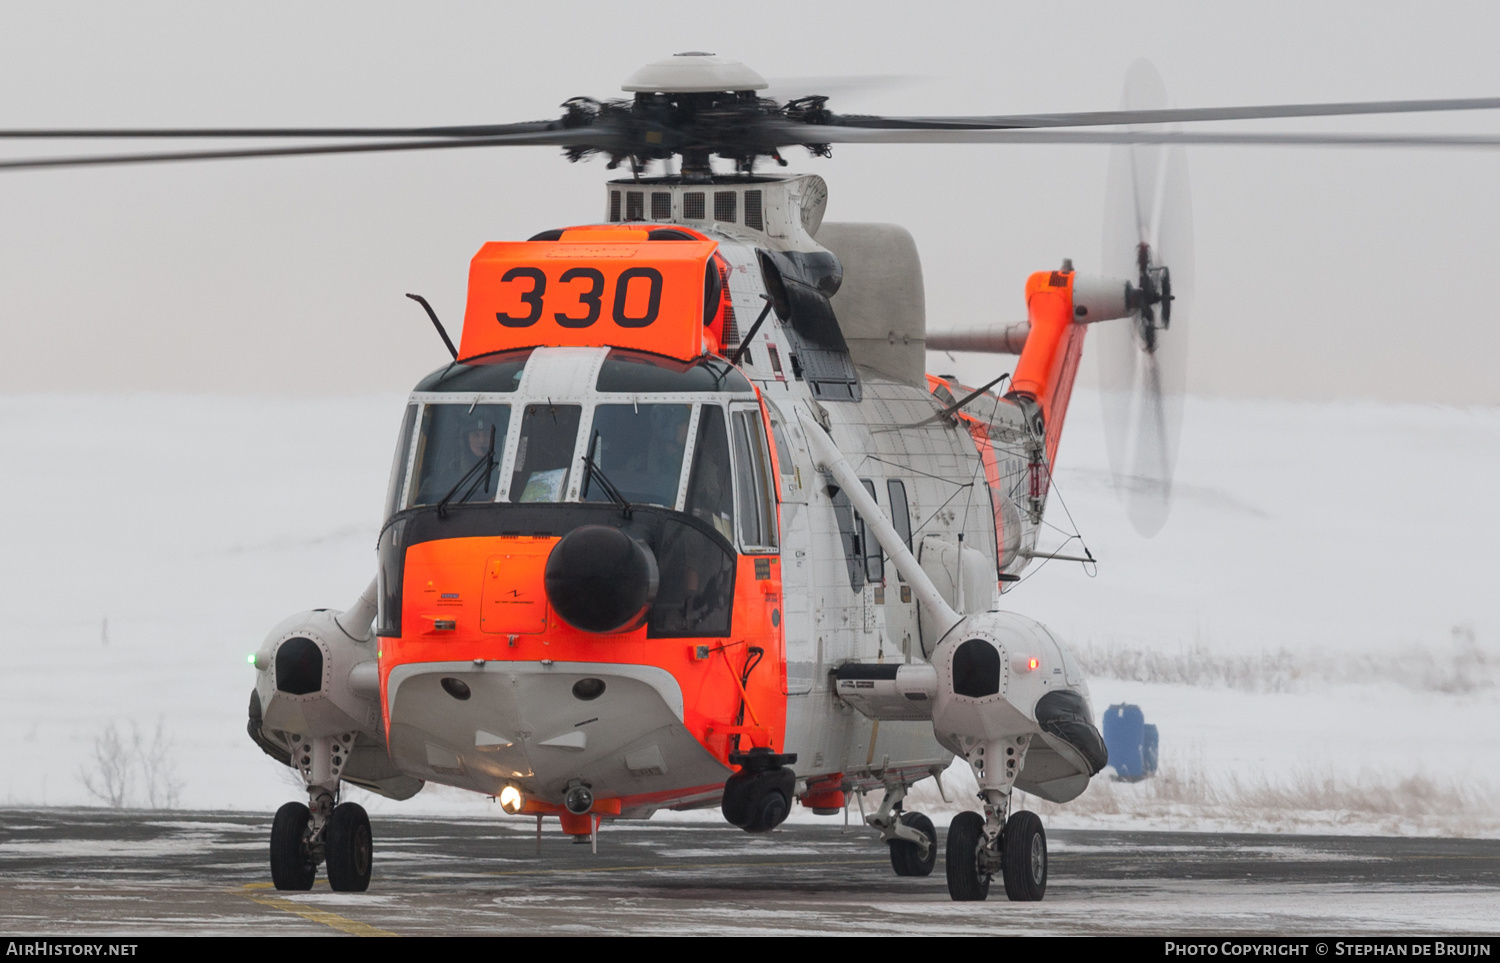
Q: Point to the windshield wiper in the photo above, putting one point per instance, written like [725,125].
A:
[595,472]
[487,463]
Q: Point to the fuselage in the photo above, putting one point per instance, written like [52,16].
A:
[765,579]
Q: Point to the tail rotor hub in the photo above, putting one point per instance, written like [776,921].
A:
[1151,297]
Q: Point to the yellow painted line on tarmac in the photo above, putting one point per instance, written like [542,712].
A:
[341,923]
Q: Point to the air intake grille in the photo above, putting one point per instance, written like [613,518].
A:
[726,206]
[753,219]
[661,206]
[635,206]
[614,206]
[693,206]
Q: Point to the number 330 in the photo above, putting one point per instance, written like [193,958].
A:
[590,297]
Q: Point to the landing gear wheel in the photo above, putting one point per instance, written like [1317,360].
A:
[967,881]
[906,856]
[349,849]
[767,812]
[291,862]
[1023,857]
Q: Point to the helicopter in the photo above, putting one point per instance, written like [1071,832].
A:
[729,545]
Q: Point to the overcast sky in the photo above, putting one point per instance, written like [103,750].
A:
[1321,273]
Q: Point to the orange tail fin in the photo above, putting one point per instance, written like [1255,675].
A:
[1049,362]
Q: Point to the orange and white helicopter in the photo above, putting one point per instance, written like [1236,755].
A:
[686,523]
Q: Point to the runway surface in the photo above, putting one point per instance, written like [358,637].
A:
[104,872]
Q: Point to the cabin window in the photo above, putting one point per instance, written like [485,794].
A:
[639,449]
[849,527]
[757,504]
[544,452]
[900,514]
[458,454]
[874,559]
[710,495]
[861,550]
[402,461]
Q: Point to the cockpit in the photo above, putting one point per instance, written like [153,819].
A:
[542,441]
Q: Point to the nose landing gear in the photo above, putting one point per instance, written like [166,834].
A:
[304,836]
[1018,853]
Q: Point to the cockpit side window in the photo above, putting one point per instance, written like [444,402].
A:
[710,493]
[458,453]
[402,460]
[758,528]
[544,453]
[639,448]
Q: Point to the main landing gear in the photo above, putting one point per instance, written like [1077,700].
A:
[758,797]
[911,836]
[302,837]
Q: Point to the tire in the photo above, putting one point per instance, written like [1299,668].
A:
[767,812]
[291,863]
[1023,857]
[966,883]
[906,858]
[349,848]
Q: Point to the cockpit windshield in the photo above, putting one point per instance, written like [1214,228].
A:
[640,449]
[458,452]
[544,454]
[639,431]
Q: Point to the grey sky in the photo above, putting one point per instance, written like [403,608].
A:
[1321,273]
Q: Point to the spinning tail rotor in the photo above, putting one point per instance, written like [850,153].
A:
[1148,237]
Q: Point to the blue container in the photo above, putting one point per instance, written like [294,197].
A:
[1148,750]
[1131,743]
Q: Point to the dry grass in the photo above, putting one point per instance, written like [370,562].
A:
[1462,666]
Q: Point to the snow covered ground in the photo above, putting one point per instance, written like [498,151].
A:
[1315,632]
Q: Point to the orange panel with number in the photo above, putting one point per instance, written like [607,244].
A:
[593,286]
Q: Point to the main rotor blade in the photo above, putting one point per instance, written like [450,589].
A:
[830,134]
[559,138]
[148,133]
[1169,115]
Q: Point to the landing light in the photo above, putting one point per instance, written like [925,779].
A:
[511,800]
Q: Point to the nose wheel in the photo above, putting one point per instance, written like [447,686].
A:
[349,849]
[1024,858]
[292,864]
[1018,853]
[343,840]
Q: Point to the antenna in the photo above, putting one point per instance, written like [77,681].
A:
[436,324]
